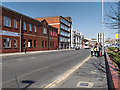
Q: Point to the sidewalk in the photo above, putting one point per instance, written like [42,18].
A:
[92,74]
[33,52]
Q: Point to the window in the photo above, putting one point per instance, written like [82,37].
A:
[6,42]
[45,43]
[24,25]
[29,43]
[56,33]
[7,21]
[51,32]
[51,44]
[15,43]
[35,29]
[15,23]
[30,27]
[34,43]
[44,30]
[42,43]
[23,42]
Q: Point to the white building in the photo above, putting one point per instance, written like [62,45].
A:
[101,38]
[76,38]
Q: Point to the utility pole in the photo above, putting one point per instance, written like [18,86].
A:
[103,28]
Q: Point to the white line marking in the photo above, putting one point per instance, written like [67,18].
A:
[19,59]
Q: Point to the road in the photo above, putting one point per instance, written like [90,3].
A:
[38,70]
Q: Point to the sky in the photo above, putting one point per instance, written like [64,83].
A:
[86,16]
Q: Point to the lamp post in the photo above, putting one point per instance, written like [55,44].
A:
[103,28]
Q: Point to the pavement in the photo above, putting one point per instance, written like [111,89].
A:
[92,74]
[33,52]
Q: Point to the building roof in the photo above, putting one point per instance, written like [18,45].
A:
[54,16]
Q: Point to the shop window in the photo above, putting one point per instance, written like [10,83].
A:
[29,43]
[7,21]
[15,43]
[42,43]
[15,23]
[6,42]
[34,43]
[23,42]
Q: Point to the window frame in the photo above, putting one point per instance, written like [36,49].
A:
[44,30]
[15,24]
[14,42]
[24,26]
[6,43]
[35,28]
[7,21]
[30,27]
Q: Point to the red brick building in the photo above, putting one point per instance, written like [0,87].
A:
[19,31]
[64,28]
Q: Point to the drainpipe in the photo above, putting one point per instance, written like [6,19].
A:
[20,33]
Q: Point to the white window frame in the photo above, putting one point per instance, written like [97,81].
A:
[7,21]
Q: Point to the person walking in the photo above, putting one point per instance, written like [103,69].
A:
[98,52]
[25,49]
[92,49]
[95,50]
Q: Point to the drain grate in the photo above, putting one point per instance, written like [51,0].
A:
[84,84]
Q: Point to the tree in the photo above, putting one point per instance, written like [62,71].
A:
[112,19]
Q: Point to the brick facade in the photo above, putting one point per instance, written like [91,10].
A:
[34,39]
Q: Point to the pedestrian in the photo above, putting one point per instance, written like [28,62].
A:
[95,50]
[25,49]
[98,52]
[92,49]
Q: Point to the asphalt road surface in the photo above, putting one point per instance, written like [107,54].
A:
[38,70]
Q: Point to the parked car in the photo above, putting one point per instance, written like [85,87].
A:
[77,47]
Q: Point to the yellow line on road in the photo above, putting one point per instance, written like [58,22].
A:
[64,76]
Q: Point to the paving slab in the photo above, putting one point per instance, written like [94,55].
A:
[92,74]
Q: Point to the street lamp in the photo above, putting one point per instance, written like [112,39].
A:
[103,27]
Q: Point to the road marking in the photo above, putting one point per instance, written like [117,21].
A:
[64,76]
[33,57]
[19,59]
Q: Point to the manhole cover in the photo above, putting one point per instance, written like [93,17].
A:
[85,84]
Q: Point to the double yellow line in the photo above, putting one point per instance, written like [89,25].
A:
[64,76]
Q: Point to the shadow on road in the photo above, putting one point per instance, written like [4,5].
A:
[28,82]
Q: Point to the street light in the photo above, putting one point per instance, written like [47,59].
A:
[103,27]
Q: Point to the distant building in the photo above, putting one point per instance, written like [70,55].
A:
[64,28]
[101,38]
[76,38]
